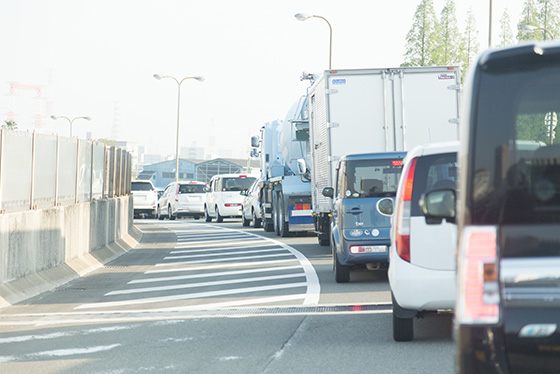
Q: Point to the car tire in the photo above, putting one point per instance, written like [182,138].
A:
[219,218]
[341,272]
[170,213]
[246,222]
[159,216]
[257,222]
[207,217]
[196,218]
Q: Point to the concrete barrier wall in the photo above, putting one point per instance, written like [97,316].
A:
[43,249]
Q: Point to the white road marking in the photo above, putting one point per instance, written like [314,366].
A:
[222,259]
[232,265]
[220,248]
[204,284]
[224,253]
[197,245]
[191,296]
[211,275]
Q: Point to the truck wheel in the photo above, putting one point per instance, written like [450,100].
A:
[283,226]
[323,241]
[171,216]
[245,221]
[268,226]
[219,218]
[257,222]
[275,217]
[207,217]
[341,272]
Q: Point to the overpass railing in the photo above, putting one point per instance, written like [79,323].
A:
[39,171]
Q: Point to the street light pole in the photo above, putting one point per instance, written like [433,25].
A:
[200,79]
[71,121]
[530,28]
[304,16]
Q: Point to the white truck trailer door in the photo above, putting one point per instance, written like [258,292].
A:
[427,105]
[357,114]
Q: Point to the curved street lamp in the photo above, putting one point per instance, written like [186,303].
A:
[305,16]
[179,82]
[530,28]
[70,120]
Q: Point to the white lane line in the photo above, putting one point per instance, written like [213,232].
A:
[219,242]
[60,353]
[211,275]
[192,296]
[232,265]
[207,238]
[229,304]
[222,259]
[220,248]
[224,253]
[204,284]
[209,234]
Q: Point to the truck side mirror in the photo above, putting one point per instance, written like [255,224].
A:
[254,153]
[328,192]
[438,205]
[301,166]
[385,207]
[255,141]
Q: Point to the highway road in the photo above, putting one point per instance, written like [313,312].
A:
[196,297]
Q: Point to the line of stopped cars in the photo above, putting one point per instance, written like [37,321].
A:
[475,224]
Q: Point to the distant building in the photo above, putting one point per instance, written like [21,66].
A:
[162,173]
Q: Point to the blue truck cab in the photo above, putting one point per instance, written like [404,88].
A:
[363,199]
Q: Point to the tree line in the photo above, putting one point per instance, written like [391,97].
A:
[433,40]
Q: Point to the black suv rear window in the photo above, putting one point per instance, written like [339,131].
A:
[141,186]
[432,173]
[515,159]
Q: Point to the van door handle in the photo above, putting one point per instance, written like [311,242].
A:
[355,211]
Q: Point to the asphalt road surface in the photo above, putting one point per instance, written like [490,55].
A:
[197,297]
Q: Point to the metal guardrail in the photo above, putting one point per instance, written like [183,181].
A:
[40,171]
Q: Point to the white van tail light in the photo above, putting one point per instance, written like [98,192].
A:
[402,229]
[478,296]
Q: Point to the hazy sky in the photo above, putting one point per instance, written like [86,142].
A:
[97,57]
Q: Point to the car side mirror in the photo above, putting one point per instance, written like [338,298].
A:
[206,189]
[328,192]
[438,205]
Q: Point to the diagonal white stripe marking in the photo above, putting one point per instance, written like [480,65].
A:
[219,242]
[220,248]
[222,259]
[204,284]
[228,304]
[210,275]
[192,296]
[224,253]
[233,265]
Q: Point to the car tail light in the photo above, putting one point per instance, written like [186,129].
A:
[478,295]
[232,205]
[402,228]
[305,206]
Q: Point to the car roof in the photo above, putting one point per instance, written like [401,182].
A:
[374,156]
[433,148]
[234,175]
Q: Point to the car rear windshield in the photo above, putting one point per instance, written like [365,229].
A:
[515,158]
[237,184]
[141,186]
[432,173]
[369,178]
[191,188]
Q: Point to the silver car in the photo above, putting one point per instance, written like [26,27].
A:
[144,198]
[251,206]
[182,199]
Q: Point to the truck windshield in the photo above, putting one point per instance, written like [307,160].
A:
[369,178]
[515,158]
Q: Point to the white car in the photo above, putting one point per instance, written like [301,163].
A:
[422,254]
[223,198]
[144,197]
[182,199]
[251,205]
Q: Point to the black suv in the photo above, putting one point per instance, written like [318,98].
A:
[508,211]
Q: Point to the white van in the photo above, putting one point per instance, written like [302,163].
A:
[223,195]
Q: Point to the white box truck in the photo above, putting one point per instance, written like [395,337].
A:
[365,111]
